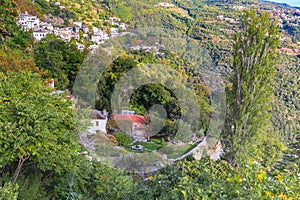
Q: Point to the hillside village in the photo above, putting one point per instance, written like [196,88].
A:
[56,145]
[77,31]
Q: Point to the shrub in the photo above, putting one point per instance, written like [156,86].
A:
[122,138]
[8,191]
[112,139]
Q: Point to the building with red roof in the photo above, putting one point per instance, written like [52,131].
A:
[138,121]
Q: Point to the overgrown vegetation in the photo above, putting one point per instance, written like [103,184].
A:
[123,138]
[40,155]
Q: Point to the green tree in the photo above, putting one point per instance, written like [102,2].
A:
[10,34]
[124,12]
[249,130]
[110,78]
[8,14]
[37,130]
[60,59]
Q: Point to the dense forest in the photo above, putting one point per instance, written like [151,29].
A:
[253,45]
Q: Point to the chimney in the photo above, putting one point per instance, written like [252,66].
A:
[105,113]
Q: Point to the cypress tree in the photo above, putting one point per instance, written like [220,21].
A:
[249,132]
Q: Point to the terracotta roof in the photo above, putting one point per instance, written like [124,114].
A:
[134,118]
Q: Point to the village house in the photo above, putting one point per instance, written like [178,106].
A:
[28,22]
[75,36]
[113,19]
[77,23]
[46,26]
[80,46]
[134,125]
[40,34]
[60,31]
[165,4]
[122,26]
[96,39]
[98,122]
[93,48]
[85,29]
[99,37]
[114,31]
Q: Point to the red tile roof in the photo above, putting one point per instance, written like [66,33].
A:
[134,118]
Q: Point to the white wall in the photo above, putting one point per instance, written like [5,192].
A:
[94,128]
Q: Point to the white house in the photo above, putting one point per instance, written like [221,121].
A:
[98,122]
[28,22]
[114,31]
[96,38]
[75,36]
[64,33]
[40,34]
[80,46]
[122,26]
[44,25]
[85,29]
[79,24]
[95,30]
[99,37]
[114,19]
[93,48]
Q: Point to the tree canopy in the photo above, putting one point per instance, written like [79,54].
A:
[249,129]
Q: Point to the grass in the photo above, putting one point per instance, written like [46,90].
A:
[173,151]
[148,147]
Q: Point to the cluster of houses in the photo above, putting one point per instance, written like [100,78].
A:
[228,19]
[96,35]
[291,16]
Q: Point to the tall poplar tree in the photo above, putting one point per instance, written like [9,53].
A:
[249,132]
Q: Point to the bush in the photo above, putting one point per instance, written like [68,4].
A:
[207,179]
[9,191]
[123,138]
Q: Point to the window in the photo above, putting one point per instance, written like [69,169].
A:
[97,123]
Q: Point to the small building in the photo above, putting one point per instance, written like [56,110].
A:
[75,36]
[122,26]
[66,31]
[95,30]
[85,29]
[77,23]
[98,122]
[80,46]
[133,125]
[138,121]
[46,26]
[114,31]
[40,34]
[99,37]
[93,48]
[27,22]
[114,19]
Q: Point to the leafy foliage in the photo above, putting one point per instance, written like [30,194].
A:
[39,146]
[123,138]
[59,59]
[207,179]
[249,128]
[36,127]
[10,33]
[9,191]
[8,14]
